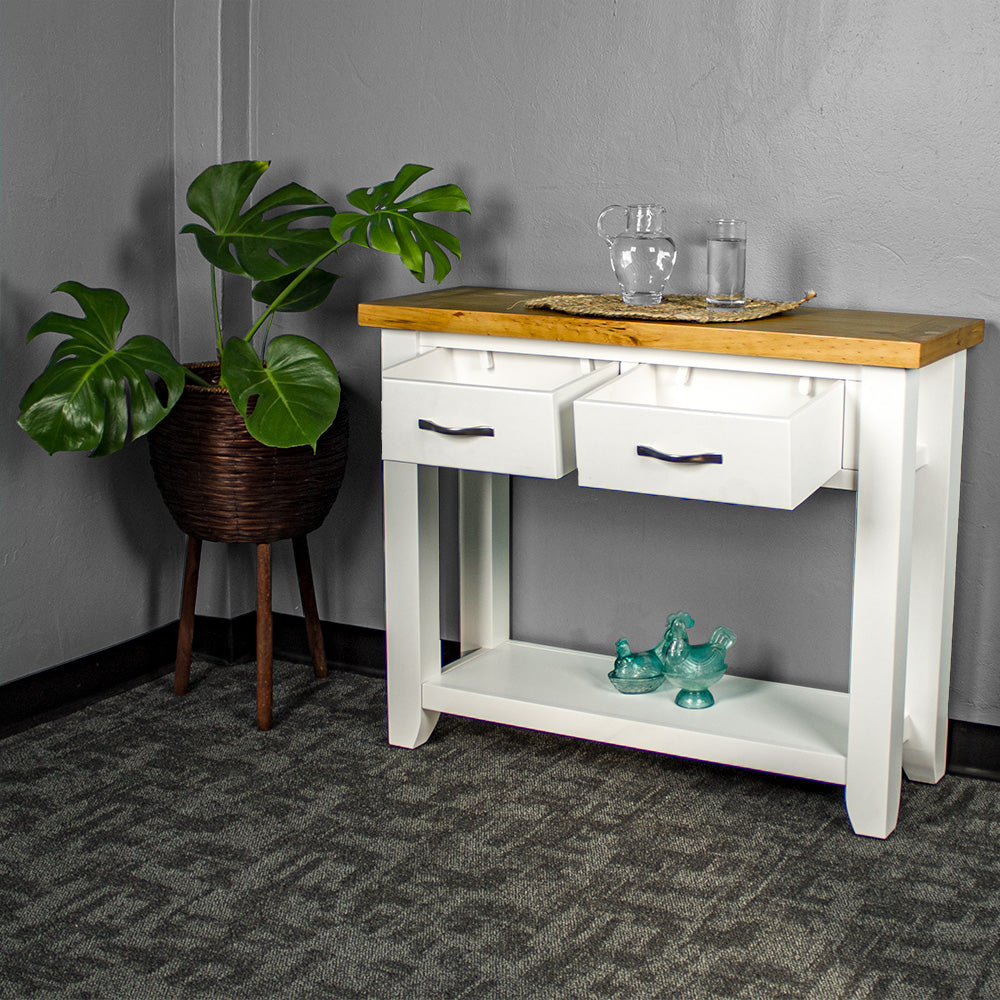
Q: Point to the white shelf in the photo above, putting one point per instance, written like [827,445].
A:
[781,728]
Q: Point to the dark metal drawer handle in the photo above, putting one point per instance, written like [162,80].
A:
[707,459]
[429,425]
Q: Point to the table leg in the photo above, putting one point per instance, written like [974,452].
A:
[484,559]
[932,597]
[886,461]
[412,598]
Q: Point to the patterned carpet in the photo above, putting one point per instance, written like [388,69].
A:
[158,847]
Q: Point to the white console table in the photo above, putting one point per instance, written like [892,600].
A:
[475,380]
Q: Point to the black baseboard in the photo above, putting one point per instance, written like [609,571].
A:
[973,749]
[64,688]
[348,647]
[235,641]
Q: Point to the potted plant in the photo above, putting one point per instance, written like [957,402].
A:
[95,396]
[250,445]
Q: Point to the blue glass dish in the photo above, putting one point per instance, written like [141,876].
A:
[638,673]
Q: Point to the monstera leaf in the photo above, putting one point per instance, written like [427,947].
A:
[383,223]
[297,391]
[245,242]
[310,291]
[91,392]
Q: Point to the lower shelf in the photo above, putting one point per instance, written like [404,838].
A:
[780,728]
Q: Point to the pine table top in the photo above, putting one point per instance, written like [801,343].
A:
[809,333]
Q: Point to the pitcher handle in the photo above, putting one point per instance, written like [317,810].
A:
[673,256]
[602,231]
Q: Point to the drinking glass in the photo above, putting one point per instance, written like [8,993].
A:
[727,257]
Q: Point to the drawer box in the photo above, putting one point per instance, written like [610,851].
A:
[486,411]
[737,437]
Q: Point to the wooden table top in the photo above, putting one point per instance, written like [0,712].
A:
[809,333]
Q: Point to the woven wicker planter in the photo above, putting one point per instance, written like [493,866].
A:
[221,485]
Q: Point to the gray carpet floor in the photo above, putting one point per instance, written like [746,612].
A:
[161,847]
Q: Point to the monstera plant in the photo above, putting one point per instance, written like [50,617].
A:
[96,395]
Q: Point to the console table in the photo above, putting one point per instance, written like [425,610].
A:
[475,380]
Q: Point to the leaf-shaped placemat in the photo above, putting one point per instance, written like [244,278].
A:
[676,308]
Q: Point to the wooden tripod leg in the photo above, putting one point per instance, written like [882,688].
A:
[308,594]
[185,631]
[265,638]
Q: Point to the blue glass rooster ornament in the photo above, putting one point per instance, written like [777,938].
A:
[693,669]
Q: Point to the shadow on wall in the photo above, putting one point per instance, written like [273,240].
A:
[145,259]
[145,270]
[485,236]
[121,485]
[18,310]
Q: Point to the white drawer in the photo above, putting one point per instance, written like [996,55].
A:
[486,411]
[748,438]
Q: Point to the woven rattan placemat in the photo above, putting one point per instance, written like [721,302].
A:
[677,308]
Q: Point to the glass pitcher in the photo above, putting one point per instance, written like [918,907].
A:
[642,254]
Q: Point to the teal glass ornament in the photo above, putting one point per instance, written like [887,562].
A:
[639,673]
[694,669]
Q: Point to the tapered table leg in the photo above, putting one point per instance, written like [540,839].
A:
[185,631]
[265,637]
[307,592]
[412,602]
[882,561]
[932,594]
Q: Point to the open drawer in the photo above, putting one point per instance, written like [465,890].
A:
[486,411]
[738,437]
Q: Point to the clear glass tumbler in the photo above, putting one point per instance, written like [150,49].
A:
[727,258]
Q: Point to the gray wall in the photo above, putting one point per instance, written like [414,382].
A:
[87,554]
[859,141]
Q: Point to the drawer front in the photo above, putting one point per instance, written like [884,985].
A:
[734,437]
[491,413]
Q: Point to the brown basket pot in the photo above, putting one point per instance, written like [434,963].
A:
[222,485]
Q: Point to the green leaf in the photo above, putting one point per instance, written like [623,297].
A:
[408,174]
[386,224]
[446,198]
[297,391]
[90,391]
[260,242]
[311,291]
[366,199]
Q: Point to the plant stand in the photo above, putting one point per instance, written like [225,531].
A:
[222,485]
[265,653]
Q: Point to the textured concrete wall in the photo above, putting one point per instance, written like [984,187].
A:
[89,554]
[860,142]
